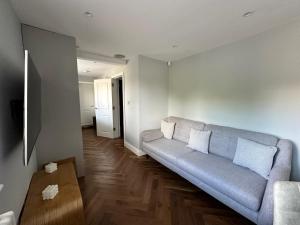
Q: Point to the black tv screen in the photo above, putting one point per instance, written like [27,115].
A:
[32,106]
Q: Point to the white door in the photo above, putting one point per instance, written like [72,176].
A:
[86,96]
[103,107]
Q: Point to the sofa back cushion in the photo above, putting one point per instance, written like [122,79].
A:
[167,128]
[183,128]
[254,156]
[223,140]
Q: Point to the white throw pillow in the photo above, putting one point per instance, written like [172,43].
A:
[257,157]
[167,128]
[199,140]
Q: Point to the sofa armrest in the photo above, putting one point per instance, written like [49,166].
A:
[280,172]
[151,135]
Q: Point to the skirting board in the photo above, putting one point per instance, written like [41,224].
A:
[135,150]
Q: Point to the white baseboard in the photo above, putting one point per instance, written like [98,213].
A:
[134,149]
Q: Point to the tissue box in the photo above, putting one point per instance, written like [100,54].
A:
[51,167]
[8,218]
[50,192]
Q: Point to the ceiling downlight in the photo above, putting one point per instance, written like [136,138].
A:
[89,14]
[248,14]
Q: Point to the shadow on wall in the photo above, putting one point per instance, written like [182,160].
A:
[295,162]
[11,102]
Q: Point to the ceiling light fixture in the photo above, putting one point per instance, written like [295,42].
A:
[249,13]
[88,14]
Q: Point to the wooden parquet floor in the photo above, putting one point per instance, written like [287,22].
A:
[122,189]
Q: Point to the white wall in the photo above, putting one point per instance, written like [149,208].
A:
[86,78]
[153,85]
[13,174]
[55,58]
[146,96]
[131,102]
[253,84]
[115,70]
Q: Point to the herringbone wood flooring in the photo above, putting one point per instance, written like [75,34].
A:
[122,189]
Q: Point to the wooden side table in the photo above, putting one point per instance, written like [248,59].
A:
[65,209]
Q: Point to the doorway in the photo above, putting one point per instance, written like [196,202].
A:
[118,105]
[109,106]
[121,104]
[104,108]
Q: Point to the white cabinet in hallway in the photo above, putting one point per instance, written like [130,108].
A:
[87,111]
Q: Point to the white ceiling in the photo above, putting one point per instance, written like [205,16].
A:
[93,68]
[151,27]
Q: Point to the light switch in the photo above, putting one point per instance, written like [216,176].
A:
[1,187]
[8,218]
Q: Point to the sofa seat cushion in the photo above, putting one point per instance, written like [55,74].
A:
[168,149]
[238,183]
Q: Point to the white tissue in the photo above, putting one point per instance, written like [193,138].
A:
[50,192]
[51,167]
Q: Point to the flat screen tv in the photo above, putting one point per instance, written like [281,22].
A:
[32,106]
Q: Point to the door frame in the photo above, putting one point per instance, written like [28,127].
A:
[85,82]
[115,77]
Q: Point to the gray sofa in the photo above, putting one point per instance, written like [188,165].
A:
[237,187]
